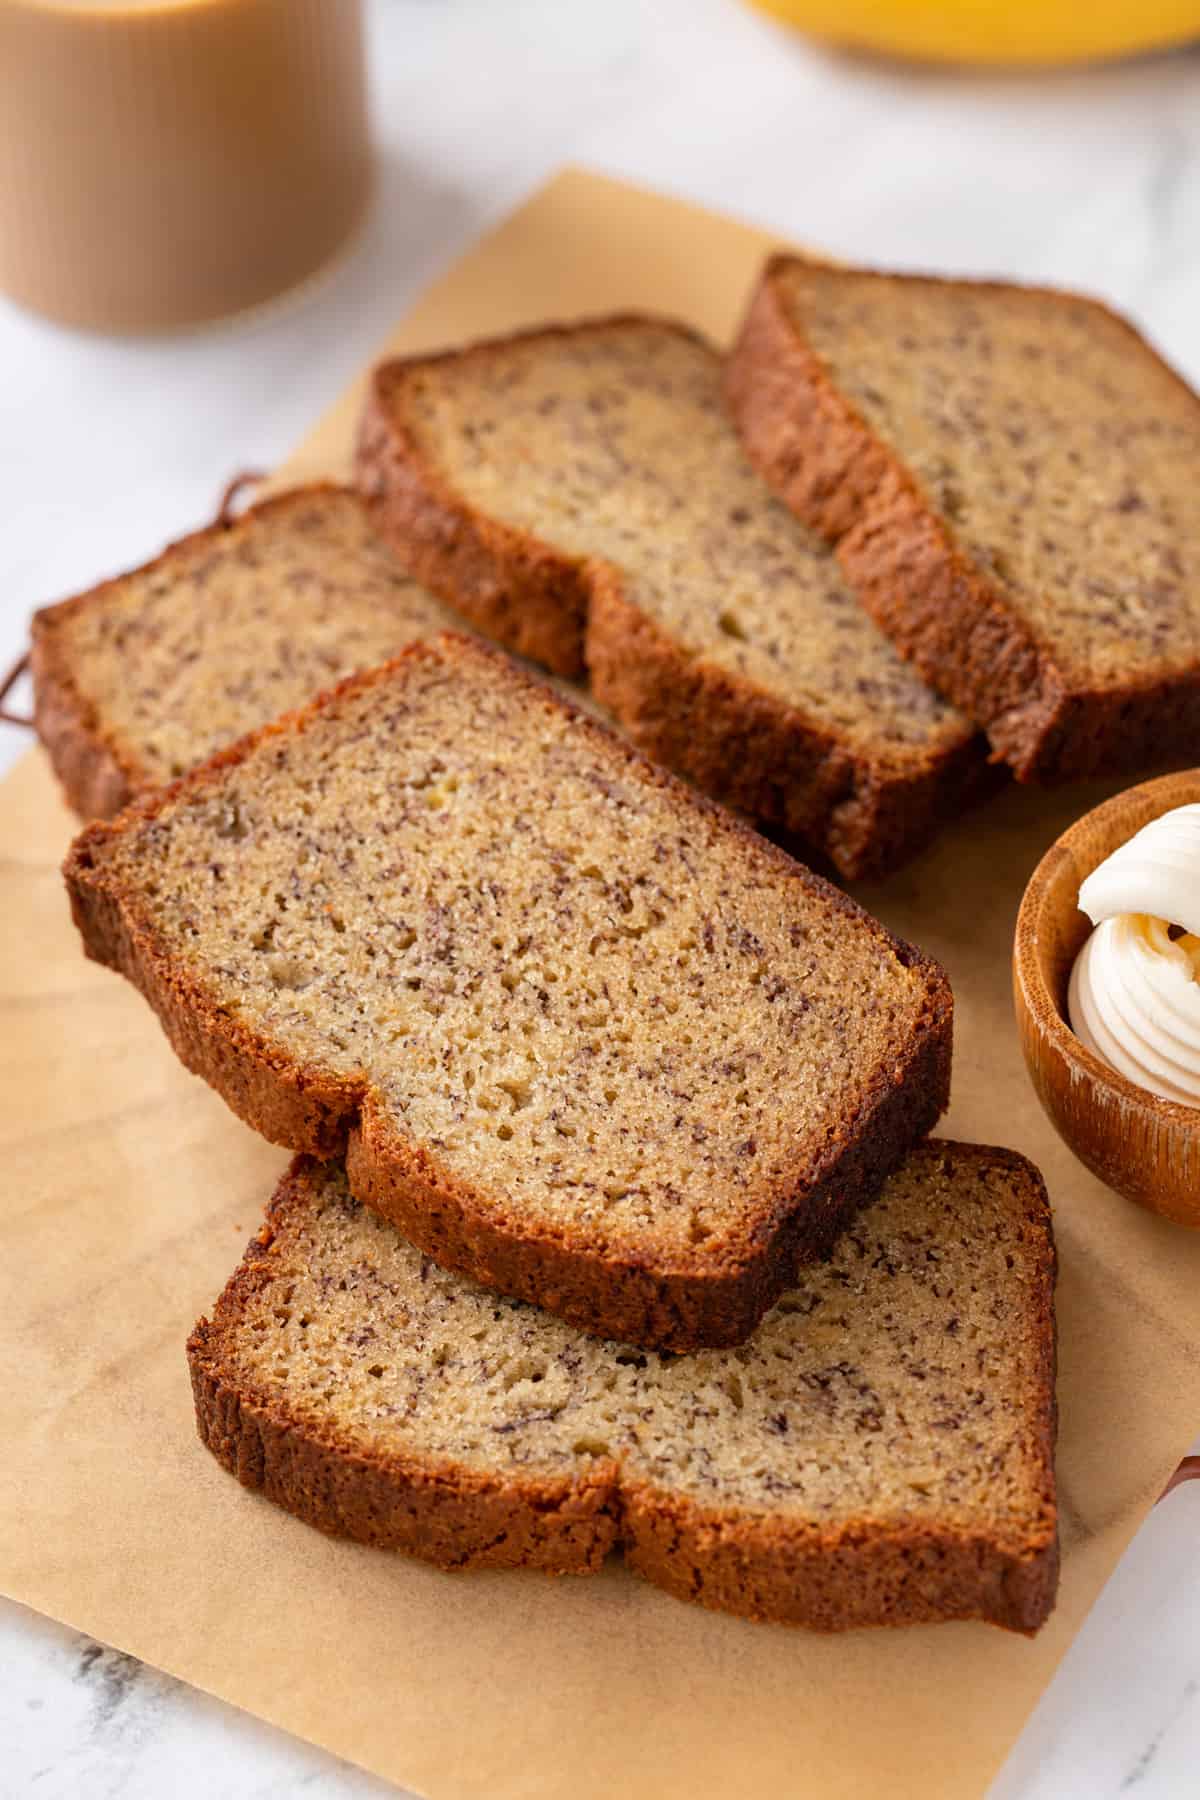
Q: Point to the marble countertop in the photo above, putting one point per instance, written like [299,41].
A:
[109,448]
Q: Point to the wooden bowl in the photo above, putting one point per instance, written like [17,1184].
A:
[1146,1148]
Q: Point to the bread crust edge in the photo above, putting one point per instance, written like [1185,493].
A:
[750,750]
[736,741]
[521,592]
[827,464]
[98,773]
[312,1110]
[728,1561]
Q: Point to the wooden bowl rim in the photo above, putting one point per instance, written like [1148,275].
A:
[1049,1021]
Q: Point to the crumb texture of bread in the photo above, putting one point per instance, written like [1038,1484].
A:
[600,1045]
[150,673]
[597,464]
[1010,475]
[881,1452]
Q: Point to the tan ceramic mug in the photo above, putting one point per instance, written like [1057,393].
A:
[167,162]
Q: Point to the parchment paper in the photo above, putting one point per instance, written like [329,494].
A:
[129,1191]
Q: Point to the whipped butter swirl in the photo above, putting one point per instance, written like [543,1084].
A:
[1134,997]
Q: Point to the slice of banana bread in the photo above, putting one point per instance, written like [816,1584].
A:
[144,676]
[880,1452]
[594,1042]
[581,495]
[1010,475]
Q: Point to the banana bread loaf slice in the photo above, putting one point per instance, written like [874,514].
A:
[594,1042]
[880,1452]
[580,494]
[1010,476]
[144,676]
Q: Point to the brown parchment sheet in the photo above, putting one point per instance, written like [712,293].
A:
[129,1192]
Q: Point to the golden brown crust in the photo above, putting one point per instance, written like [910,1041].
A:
[748,749]
[738,742]
[523,593]
[957,627]
[446,1514]
[768,1568]
[97,776]
[98,772]
[709,1303]
[862,1575]
[618,1296]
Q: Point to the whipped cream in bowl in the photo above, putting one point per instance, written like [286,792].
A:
[1108,1013]
[1134,992]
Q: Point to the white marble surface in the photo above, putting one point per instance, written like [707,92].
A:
[108,448]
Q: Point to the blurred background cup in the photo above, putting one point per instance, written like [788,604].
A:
[168,162]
